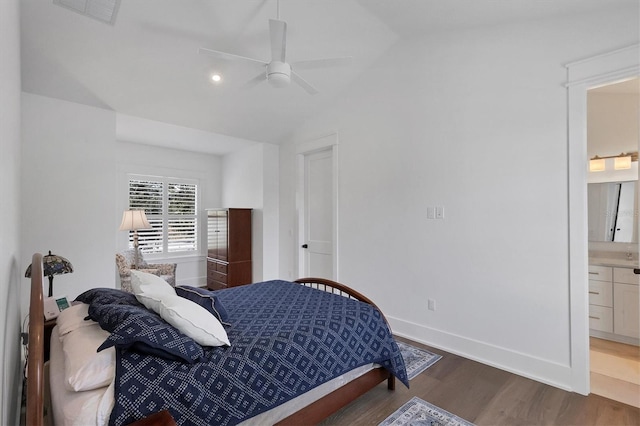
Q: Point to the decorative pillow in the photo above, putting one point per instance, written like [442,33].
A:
[136,328]
[72,318]
[193,320]
[150,289]
[206,299]
[84,367]
[107,296]
[188,317]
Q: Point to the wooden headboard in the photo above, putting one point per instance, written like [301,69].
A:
[35,353]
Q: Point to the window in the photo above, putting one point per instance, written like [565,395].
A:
[171,206]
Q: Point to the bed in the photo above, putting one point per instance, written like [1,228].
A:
[314,384]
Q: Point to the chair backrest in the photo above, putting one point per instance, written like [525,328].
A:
[130,257]
[124,270]
[126,259]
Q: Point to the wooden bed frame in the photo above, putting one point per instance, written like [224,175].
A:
[311,414]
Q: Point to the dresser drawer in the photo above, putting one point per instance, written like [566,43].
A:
[216,285]
[601,318]
[221,267]
[601,293]
[217,276]
[624,275]
[600,273]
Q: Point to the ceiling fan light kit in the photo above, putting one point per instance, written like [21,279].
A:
[279,74]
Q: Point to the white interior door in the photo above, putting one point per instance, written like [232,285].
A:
[317,242]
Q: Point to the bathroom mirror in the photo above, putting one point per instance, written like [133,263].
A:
[613,211]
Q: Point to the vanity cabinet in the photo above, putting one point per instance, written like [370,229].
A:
[601,298]
[614,302]
[228,248]
[626,318]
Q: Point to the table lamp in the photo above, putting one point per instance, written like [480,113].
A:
[132,220]
[52,264]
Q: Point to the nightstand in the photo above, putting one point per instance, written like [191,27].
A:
[48,328]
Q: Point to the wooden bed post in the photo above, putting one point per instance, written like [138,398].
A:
[35,361]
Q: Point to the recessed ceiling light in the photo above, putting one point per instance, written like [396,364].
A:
[216,78]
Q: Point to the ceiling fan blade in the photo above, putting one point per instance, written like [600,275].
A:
[278,35]
[255,80]
[228,56]
[322,63]
[303,83]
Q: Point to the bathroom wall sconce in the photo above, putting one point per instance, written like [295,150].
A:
[596,164]
[621,162]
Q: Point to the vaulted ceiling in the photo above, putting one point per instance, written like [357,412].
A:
[147,64]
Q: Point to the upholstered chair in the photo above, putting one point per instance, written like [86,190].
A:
[127,259]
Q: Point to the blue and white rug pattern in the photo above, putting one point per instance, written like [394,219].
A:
[416,360]
[418,412]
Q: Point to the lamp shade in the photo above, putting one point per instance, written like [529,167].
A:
[133,220]
[52,264]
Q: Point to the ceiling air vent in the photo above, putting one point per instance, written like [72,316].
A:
[102,10]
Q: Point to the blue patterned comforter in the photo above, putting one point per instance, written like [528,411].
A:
[285,340]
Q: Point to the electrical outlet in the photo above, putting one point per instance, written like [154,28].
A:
[431,212]
[431,304]
[440,212]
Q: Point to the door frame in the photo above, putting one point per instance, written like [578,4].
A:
[325,142]
[607,68]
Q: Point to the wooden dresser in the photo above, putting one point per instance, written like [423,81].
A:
[229,248]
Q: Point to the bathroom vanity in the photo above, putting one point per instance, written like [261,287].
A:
[614,299]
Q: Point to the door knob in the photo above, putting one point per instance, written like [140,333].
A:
[305,246]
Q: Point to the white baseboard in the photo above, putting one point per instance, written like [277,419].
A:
[193,281]
[544,371]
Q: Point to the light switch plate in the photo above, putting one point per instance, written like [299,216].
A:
[431,212]
[440,212]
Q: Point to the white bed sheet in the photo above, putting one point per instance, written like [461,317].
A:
[75,408]
[93,407]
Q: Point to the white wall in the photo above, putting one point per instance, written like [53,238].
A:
[251,181]
[77,190]
[68,182]
[10,266]
[155,161]
[612,123]
[474,121]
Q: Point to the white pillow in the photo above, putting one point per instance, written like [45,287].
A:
[187,316]
[73,318]
[193,320]
[84,367]
[150,289]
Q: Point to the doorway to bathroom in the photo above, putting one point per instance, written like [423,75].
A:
[612,195]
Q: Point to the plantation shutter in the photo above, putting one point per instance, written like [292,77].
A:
[182,235]
[171,208]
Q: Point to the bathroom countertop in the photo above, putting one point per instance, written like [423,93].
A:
[622,262]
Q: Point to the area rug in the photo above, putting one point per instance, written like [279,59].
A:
[419,412]
[416,360]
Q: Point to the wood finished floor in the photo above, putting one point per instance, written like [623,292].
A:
[486,396]
[615,371]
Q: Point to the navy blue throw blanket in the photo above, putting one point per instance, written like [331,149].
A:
[285,340]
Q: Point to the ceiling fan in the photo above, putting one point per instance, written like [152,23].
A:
[278,72]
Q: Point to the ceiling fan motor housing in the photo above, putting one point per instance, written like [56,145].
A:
[279,74]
